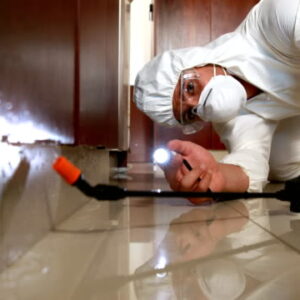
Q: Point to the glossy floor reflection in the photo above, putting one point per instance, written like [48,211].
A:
[163,249]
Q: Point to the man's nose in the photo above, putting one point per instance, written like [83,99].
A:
[193,101]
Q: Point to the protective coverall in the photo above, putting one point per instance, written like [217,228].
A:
[264,139]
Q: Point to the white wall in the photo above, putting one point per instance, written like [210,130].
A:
[141,36]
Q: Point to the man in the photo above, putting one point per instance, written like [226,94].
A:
[248,84]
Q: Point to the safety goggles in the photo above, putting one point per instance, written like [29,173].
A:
[190,89]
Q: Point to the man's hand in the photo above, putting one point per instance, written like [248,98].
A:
[206,174]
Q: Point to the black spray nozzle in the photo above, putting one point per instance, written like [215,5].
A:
[100,191]
[104,192]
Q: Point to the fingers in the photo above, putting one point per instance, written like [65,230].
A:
[205,182]
[173,172]
[173,164]
[182,147]
[192,152]
[202,185]
[198,201]
[199,179]
[181,179]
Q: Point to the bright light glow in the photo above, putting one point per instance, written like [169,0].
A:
[9,161]
[161,156]
[25,132]
[162,262]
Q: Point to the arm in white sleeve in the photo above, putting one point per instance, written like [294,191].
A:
[248,140]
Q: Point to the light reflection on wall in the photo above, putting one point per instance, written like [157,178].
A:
[26,132]
[9,159]
[19,124]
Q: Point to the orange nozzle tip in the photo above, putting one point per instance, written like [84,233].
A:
[66,169]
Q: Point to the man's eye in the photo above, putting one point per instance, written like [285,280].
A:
[190,88]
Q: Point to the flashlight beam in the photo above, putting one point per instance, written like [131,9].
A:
[163,156]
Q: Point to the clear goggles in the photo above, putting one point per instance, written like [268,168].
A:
[190,90]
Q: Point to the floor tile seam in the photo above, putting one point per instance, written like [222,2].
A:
[108,230]
[277,237]
[73,214]
[89,266]
[89,260]
[191,263]
[274,236]
[268,231]
[104,230]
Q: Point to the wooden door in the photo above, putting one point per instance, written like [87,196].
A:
[97,122]
[187,23]
[37,70]
[63,72]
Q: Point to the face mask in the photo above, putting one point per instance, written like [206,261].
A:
[221,99]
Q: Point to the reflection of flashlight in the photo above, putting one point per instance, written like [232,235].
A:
[163,156]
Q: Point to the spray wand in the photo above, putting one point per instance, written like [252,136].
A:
[103,192]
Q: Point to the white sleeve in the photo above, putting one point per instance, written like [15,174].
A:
[248,140]
[275,24]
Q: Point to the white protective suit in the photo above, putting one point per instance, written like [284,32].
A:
[264,139]
[265,50]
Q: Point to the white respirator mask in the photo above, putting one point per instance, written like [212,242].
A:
[221,99]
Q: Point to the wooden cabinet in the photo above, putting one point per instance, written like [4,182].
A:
[104,71]
[63,72]
[37,70]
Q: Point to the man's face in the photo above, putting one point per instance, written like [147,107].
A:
[186,95]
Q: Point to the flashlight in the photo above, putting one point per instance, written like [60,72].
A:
[163,156]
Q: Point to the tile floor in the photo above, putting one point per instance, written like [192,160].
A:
[151,248]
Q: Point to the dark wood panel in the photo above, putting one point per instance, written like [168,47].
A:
[164,134]
[37,69]
[141,135]
[141,141]
[228,14]
[181,23]
[98,122]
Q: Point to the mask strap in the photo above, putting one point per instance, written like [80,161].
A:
[215,71]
